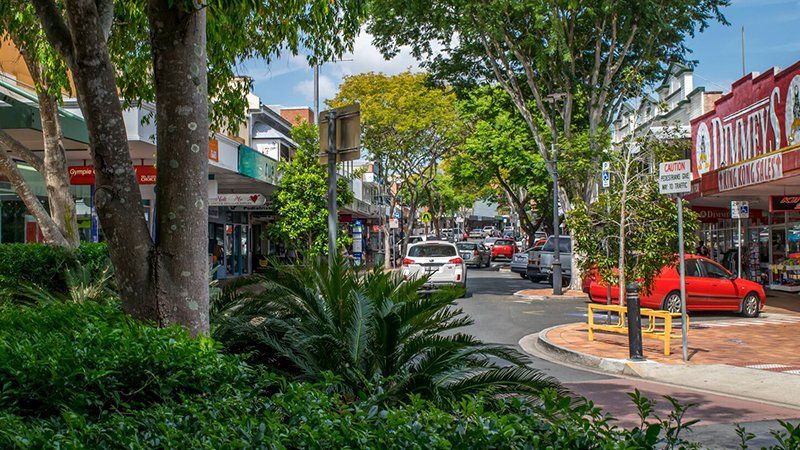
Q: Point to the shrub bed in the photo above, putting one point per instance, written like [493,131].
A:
[44,265]
[86,376]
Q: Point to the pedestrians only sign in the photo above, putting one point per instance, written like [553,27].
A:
[675,177]
[425,217]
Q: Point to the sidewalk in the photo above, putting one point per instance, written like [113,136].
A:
[756,359]
[547,294]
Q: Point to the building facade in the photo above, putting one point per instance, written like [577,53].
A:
[747,148]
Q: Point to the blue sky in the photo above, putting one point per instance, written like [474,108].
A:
[771,39]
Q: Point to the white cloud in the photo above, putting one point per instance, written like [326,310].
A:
[367,58]
[327,89]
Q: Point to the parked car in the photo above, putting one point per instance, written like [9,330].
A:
[504,248]
[709,287]
[439,261]
[539,238]
[476,233]
[489,242]
[474,254]
[519,262]
[489,230]
[544,261]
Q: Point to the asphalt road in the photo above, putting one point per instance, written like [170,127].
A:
[504,319]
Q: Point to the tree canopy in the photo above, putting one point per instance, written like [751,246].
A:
[301,199]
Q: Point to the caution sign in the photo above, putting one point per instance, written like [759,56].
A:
[425,217]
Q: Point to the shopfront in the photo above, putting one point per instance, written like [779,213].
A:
[748,149]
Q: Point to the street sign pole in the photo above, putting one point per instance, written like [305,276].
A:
[333,217]
[682,268]
[739,250]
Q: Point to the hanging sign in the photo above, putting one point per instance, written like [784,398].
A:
[675,177]
[237,200]
[784,203]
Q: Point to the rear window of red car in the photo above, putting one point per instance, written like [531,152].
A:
[503,242]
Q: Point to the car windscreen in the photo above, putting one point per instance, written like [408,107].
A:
[466,246]
[504,242]
[564,245]
[432,251]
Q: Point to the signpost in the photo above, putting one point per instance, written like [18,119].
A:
[675,177]
[606,174]
[739,210]
[339,139]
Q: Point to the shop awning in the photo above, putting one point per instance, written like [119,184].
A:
[19,116]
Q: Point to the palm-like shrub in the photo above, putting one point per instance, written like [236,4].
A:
[373,333]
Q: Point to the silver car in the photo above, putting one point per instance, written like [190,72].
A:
[474,254]
[519,262]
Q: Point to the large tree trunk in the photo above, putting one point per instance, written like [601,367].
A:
[165,283]
[178,38]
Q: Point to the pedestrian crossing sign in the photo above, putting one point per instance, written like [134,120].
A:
[425,217]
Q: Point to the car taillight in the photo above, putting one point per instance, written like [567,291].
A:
[474,253]
[456,261]
[408,261]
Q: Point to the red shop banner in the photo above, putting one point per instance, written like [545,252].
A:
[760,115]
[84,175]
[713,214]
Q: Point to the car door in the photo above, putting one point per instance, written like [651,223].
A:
[719,290]
[695,284]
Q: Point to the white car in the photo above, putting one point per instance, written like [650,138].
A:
[439,261]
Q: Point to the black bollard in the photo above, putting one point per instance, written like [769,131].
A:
[634,323]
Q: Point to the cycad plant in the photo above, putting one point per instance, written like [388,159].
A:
[84,283]
[373,333]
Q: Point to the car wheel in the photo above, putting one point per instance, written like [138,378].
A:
[672,302]
[750,306]
[523,275]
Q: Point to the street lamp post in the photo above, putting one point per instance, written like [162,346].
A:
[557,288]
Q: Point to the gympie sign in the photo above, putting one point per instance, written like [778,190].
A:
[748,173]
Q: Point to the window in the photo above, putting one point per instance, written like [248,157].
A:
[432,251]
[504,242]
[564,245]
[692,270]
[467,246]
[714,271]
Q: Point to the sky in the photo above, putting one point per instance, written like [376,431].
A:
[771,39]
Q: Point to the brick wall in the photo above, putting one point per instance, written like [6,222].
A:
[297,115]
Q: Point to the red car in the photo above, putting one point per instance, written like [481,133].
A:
[709,287]
[504,248]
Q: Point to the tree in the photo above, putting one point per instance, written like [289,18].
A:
[165,279]
[631,231]
[301,200]
[408,125]
[547,55]
[497,154]
[59,225]
[445,199]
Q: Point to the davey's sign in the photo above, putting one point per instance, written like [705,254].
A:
[761,114]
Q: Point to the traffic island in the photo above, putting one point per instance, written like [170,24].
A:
[754,359]
[547,294]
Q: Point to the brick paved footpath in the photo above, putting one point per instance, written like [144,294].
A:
[768,342]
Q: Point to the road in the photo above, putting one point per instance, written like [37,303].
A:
[502,318]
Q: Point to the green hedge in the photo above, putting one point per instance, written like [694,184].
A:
[87,376]
[44,264]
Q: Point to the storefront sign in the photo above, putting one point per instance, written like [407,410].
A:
[675,177]
[237,200]
[255,165]
[713,214]
[213,150]
[345,218]
[784,203]
[84,175]
[760,170]
[761,114]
